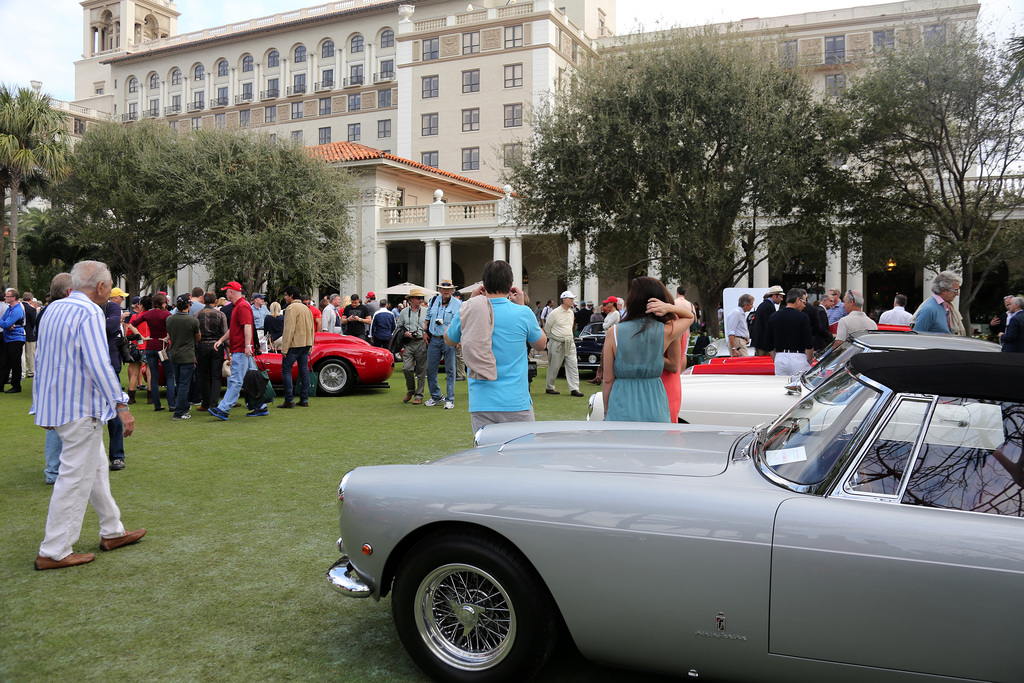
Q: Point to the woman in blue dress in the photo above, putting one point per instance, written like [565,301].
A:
[634,354]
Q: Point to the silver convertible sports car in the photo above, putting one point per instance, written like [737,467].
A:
[871,533]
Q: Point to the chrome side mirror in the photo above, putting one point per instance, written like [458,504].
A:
[794,388]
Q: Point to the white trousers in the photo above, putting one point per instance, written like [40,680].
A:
[84,478]
[790,363]
[559,352]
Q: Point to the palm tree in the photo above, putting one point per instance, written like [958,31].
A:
[33,142]
[1016,48]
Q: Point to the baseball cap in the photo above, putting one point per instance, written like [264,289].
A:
[117,291]
[183,299]
[232,285]
[371,295]
[567,294]
[259,296]
[610,300]
[136,299]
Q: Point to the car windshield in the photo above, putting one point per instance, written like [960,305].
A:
[831,362]
[806,442]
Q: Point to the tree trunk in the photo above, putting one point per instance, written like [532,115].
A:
[966,292]
[13,268]
[3,238]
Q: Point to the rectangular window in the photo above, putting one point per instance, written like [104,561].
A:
[298,84]
[387,69]
[80,126]
[514,76]
[133,111]
[296,136]
[384,98]
[513,115]
[471,159]
[175,104]
[197,123]
[834,83]
[883,40]
[325,106]
[222,97]
[934,34]
[835,49]
[787,54]
[355,74]
[471,43]
[327,78]
[429,159]
[355,102]
[222,121]
[270,114]
[354,132]
[273,89]
[513,36]
[470,120]
[430,87]
[513,154]
[384,128]
[471,81]
[154,108]
[247,92]
[244,118]
[429,124]
[431,48]
[296,110]
[575,51]
[325,135]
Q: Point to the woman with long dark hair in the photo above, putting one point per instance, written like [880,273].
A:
[634,354]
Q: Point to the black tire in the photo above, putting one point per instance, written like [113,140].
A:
[336,377]
[469,608]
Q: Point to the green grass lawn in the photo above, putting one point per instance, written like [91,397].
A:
[228,585]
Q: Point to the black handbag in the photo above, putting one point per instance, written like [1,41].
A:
[257,387]
[123,349]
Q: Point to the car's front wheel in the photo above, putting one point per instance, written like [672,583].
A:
[468,607]
[335,377]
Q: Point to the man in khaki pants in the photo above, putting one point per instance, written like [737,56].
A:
[561,348]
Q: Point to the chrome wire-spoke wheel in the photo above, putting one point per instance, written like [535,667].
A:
[335,377]
[465,617]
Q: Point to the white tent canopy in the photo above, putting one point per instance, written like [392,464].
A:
[406,287]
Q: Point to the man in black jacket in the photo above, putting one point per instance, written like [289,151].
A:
[764,312]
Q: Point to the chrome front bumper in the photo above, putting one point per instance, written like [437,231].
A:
[344,579]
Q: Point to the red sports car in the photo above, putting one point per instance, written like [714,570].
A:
[341,361]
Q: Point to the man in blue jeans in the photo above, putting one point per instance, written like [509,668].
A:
[296,341]
[183,332]
[240,339]
[440,312]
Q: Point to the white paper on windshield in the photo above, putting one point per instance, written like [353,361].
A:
[784,456]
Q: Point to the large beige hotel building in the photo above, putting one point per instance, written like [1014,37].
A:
[439,90]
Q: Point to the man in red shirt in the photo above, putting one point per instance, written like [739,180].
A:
[156,319]
[240,336]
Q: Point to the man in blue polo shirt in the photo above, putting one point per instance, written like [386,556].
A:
[496,352]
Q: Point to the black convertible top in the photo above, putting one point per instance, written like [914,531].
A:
[971,374]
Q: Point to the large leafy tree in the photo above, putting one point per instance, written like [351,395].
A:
[696,150]
[937,129]
[267,212]
[116,203]
[33,145]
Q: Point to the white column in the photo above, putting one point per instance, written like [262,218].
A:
[515,259]
[499,248]
[761,269]
[854,277]
[591,285]
[444,260]
[833,268]
[232,86]
[209,89]
[380,279]
[286,79]
[430,264]
[575,266]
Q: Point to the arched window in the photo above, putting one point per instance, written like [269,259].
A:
[247,63]
[274,59]
[222,67]
[133,85]
[328,49]
[300,54]
[357,43]
[154,82]
[200,72]
[387,39]
[176,77]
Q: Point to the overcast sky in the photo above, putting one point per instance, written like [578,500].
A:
[41,39]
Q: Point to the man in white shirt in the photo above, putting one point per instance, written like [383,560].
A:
[898,315]
[855,318]
[736,330]
[329,322]
[76,392]
[561,345]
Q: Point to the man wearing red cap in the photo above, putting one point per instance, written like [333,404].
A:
[240,338]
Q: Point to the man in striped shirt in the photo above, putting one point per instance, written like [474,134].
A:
[75,392]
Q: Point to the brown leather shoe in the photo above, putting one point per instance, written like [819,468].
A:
[303,404]
[287,404]
[118,541]
[417,401]
[551,391]
[70,561]
[408,397]
[575,393]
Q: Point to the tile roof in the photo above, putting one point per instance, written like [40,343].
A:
[353,151]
